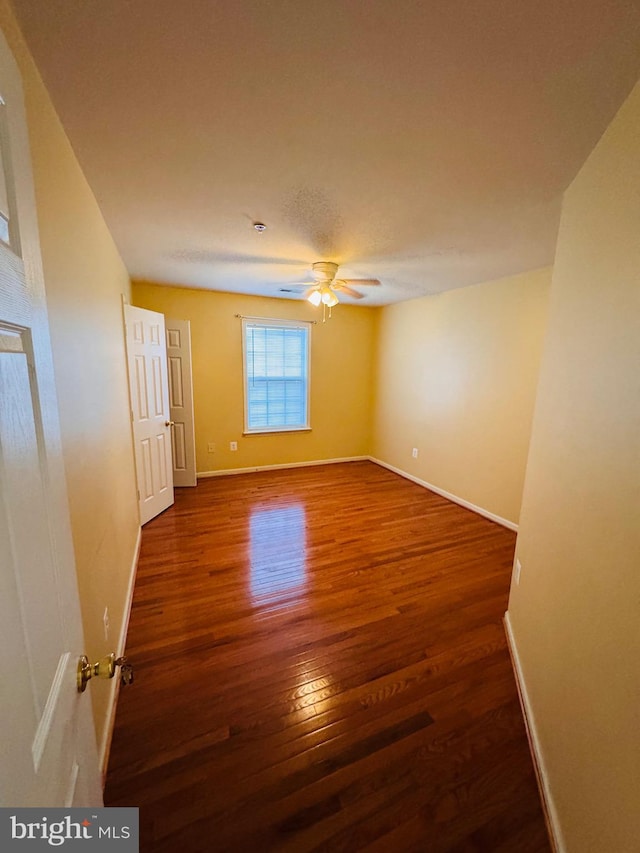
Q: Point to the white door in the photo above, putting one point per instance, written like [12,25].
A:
[149,391]
[183,437]
[48,754]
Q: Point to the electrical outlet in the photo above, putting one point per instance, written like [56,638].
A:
[211,448]
[517,571]
[105,620]
[414,452]
[233,445]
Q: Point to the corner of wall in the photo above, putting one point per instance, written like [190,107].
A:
[546,795]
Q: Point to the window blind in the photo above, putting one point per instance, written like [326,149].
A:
[276,376]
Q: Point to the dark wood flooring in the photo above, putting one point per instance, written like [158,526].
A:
[321,665]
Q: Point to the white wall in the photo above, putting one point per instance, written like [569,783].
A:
[576,612]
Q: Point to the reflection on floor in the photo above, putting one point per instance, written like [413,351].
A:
[277,539]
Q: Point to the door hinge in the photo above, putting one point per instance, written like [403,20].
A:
[138,493]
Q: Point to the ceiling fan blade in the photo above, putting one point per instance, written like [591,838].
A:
[344,288]
[361,282]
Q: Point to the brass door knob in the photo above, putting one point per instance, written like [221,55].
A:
[104,668]
[169,423]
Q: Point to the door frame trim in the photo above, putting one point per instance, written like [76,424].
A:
[114,687]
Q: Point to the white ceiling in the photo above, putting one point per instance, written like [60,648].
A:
[426,144]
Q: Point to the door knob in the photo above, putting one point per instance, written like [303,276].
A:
[104,668]
[169,423]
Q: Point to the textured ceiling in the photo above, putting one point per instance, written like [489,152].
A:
[426,144]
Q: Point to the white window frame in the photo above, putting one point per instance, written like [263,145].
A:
[276,324]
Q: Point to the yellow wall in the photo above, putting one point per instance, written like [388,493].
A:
[457,376]
[84,279]
[576,612]
[341,376]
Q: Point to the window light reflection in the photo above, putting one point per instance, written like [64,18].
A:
[278,570]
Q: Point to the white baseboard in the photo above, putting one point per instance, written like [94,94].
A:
[511,525]
[114,687]
[223,472]
[548,805]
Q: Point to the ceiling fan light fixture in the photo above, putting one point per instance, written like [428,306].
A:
[329,298]
[323,290]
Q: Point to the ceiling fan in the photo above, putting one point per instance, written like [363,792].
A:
[327,286]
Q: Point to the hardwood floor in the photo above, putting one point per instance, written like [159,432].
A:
[321,665]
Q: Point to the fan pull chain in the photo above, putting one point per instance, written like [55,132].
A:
[324,312]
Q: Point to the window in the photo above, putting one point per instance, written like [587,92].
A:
[276,375]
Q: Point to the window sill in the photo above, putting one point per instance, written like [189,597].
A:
[275,430]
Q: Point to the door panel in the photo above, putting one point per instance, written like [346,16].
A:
[149,390]
[163,453]
[27,515]
[179,455]
[158,391]
[48,754]
[141,397]
[147,469]
[181,402]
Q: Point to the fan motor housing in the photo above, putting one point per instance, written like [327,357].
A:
[324,270]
